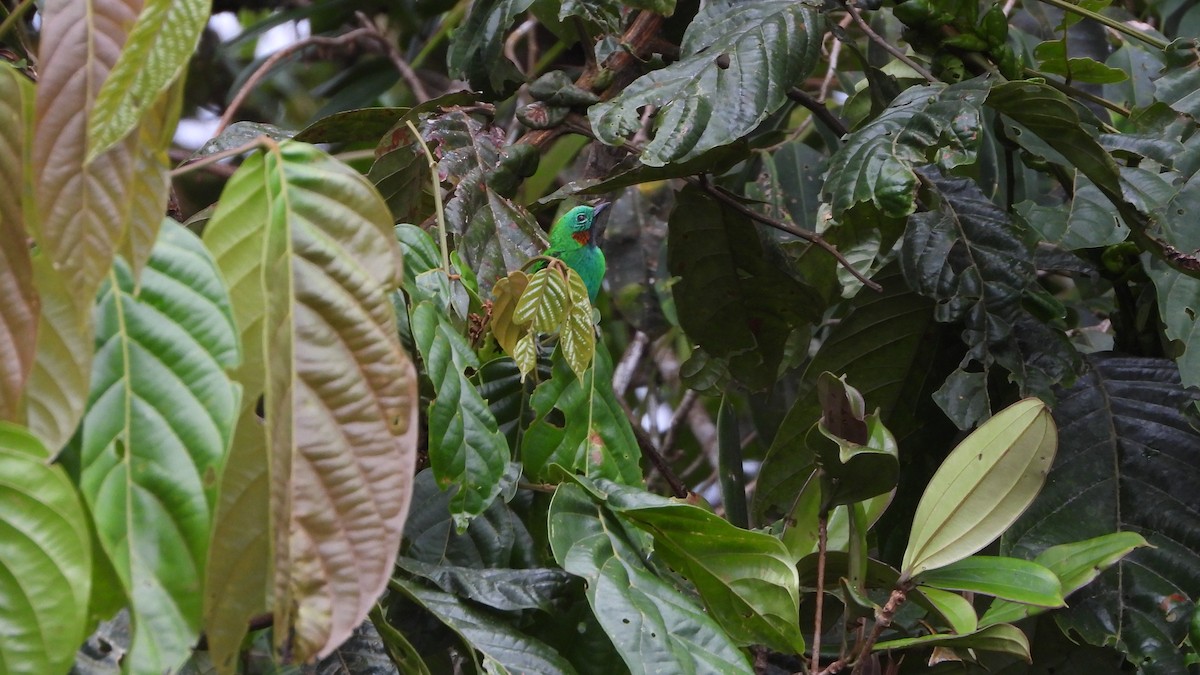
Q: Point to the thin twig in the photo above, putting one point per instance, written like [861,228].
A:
[1085,95]
[822,543]
[181,156]
[678,489]
[819,111]
[677,420]
[834,53]
[807,235]
[1111,23]
[393,53]
[623,372]
[510,44]
[437,197]
[887,46]
[208,160]
[252,81]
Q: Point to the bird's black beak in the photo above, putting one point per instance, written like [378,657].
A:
[600,221]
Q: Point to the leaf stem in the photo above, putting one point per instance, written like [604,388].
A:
[14,16]
[822,545]
[437,197]
[188,167]
[1111,23]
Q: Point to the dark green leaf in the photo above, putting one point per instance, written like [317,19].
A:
[1054,60]
[581,426]
[501,645]
[769,45]
[923,125]
[477,47]
[1000,638]
[497,538]
[507,590]
[466,449]
[1180,89]
[352,126]
[1087,221]
[1179,306]
[507,394]
[731,300]
[653,626]
[717,161]
[1129,460]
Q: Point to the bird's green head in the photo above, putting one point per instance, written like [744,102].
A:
[576,228]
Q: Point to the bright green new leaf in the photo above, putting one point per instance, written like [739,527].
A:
[578,337]
[1002,638]
[545,302]
[654,627]
[746,579]
[1008,578]
[46,559]
[982,487]
[737,62]
[19,311]
[159,47]
[954,608]
[466,449]
[158,425]
[1075,565]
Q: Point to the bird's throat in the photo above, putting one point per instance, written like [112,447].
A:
[582,237]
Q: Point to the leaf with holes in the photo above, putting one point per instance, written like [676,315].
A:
[47,559]
[158,425]
[737,62]
[466,449]
[19,312]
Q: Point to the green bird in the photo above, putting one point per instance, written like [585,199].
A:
[573,240]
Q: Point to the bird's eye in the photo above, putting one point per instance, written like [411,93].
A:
[582,218]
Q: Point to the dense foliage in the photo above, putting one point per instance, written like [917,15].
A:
[895,369]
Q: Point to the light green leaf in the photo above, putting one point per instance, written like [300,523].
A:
[954,608]
[1053,57]
[578,336]
[466,449]
[507,293]
[19,311]
[157,428]
[545,302]
[525,354]
[737,61]
[1008,578]
[1075,565]
[982,487]
[654,627]
[1000,638]
[159,47]
[46,559]
[499,642]
[746,579]
[592,436]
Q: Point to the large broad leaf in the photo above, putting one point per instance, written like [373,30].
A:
[581,426]
[159,47]
[969,256]
[239,577]
[508,590]
[983,486]
[891,368]
[737,62]
[467,451]
[1009,578]
[46,559]
[19,311]
[1179,306]
[505,649]
[477,48]
[928,124]
[340,399]
[79,210]
[654,627]
[496,539]
[495,235]
[158,425]
[730,298]
[340,393]
[1129,461]
[746,579]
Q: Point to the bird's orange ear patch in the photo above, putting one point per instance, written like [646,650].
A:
[582,237]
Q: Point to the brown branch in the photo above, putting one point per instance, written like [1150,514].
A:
[822,543]
[887,46]
[678,489]
[818,110]
[807,235]
[397,59]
